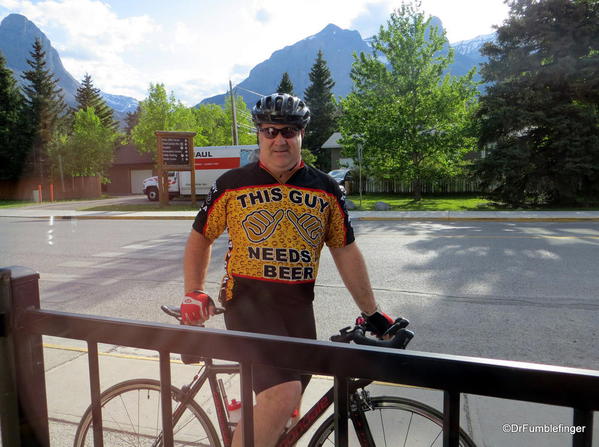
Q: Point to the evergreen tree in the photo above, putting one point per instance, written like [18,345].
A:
[45,108]
[131,120]
[319,98]
[14,145]
[89,96]
[285,86]
[540,116]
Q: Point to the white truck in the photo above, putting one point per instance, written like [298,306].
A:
[210,162]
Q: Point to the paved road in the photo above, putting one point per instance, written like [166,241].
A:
[518,291]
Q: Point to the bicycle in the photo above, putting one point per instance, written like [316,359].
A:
[131,410]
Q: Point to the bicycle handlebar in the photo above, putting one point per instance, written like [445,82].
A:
[400,336]
[175,311]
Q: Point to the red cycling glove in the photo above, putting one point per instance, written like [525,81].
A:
[195,307]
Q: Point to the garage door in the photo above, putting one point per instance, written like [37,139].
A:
[137,178]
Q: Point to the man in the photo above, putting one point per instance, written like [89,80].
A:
[279,213]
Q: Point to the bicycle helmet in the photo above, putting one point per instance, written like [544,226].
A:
[281,108]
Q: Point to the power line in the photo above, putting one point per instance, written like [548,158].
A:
[250,91]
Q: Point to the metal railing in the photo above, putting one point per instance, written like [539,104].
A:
[23,395]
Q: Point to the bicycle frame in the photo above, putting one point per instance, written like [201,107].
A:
[209,374]
[290,437]
[318,409]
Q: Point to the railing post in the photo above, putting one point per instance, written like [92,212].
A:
[94,386]
[341,411]
[9,409]
[165,398]
[583,419]
[247,405]
[26,350]
[451,418]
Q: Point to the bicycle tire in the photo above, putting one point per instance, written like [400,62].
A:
[426,421]
[121,424]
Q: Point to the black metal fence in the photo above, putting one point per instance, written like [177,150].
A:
[456,185]
[23,395]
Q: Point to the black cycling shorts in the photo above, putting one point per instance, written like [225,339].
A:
[273,316]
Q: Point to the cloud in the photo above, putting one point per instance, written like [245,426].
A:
[262,16]
[369,22]
[193,50]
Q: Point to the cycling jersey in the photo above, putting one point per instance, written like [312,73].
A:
[276,230]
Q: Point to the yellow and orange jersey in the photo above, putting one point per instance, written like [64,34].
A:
[276,231]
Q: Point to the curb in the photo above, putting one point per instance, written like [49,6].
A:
[365,216]
[357,218]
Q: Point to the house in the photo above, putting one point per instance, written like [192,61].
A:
[332,144]
[129,169]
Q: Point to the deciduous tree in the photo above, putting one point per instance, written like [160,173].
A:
[88,150]
[161,112]
[411,120]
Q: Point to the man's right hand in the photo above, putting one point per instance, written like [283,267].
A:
[196,308]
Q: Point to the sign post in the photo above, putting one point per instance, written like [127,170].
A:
[175,153]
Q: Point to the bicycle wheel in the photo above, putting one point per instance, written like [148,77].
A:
[132,415]
[394,421]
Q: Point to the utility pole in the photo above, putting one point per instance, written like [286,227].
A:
[234,109]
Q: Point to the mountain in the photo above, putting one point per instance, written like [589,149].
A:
[17,35]
[467,55]
[338,46]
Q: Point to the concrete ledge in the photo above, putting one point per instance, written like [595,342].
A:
[490,216]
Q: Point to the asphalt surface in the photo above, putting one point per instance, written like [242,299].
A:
[66,362]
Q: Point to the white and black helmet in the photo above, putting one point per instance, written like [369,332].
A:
[281,108]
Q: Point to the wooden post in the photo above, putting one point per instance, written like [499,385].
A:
[175,153]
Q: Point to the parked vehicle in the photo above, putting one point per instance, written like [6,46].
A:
[341,175]
[210,162]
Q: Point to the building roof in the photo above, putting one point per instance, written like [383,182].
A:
[129,155]
[332,142]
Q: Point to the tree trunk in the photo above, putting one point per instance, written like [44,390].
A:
[417,189]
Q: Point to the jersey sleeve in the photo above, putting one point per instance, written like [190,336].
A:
[340,232]
[211,220]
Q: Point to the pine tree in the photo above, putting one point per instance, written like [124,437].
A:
[45,108]
[540,115]
[285,86]
[89,96]
[319,98]
[14,145]
[131,120]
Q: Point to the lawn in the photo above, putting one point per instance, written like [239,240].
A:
[14,203]
[427,203]
[397,202]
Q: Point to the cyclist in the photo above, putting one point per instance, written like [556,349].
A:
[279,212]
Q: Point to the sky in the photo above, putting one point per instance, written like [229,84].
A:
[194,47]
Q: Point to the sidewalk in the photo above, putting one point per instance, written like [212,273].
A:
[497,216]
[67,388]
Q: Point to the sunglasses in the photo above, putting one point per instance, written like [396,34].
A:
[272,132]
